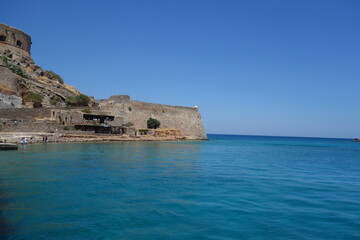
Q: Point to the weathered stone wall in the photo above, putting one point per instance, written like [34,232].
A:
[14,38]
[186,119]
[67,116]
[26,126]
[24,113]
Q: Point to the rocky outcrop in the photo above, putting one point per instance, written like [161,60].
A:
[20,76]
[10,101]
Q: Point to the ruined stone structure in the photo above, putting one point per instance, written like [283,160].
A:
[19,77]
[14,40]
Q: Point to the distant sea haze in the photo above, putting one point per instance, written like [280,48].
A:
[230,187]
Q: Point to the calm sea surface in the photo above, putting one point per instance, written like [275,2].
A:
[231,187]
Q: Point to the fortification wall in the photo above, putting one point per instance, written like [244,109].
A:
[14,39]
[24,113]
[186,119]
[25,126]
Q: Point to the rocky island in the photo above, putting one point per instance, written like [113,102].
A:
[38,105]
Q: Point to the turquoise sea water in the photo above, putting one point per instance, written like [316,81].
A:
[231,187]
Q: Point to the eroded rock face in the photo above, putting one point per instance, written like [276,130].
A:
[10,101]
[8,80]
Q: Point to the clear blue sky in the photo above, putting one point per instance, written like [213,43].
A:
[286,68]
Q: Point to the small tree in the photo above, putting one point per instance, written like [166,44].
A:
[153,123]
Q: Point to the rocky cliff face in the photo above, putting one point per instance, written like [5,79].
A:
[25,84]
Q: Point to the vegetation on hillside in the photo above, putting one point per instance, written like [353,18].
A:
[86,110]
[79,100]
[35,98]
[55,100]
[14,68]
[54,76]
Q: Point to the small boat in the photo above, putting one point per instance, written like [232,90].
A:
[8,146]
[356,140]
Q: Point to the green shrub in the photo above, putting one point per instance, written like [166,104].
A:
[129,124]
[55,100]
[15,69]
[79,100]
[153,123]
[71,101]
[54,76]
[130,109]
[86,110]
[35,98]
[5,59]
[66,128]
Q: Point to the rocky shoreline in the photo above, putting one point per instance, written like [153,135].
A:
[32,137]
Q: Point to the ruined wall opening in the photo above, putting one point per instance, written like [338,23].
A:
[2,38]
[18,43]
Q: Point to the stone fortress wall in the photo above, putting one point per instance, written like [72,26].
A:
[186,119]
[27,126]
[24,113]
[14,39]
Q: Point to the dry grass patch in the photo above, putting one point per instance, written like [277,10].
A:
[71,88]
[5,89]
